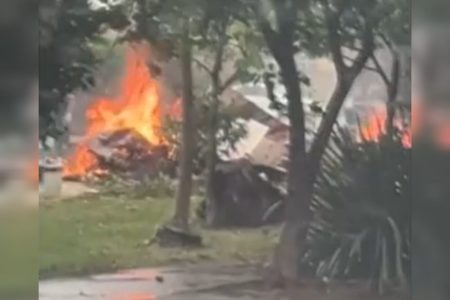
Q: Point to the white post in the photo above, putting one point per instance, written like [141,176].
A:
[51,183]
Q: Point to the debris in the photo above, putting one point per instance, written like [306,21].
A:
[127,154]
[170,236]
[244,192]
[128,151]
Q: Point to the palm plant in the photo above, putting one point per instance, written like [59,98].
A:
[361,223]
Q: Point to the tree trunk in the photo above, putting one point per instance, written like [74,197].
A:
[287,253]
[325,129]
[183,195]
[285,269]
[303,166]
[212,210]
[392,92]
[213,213]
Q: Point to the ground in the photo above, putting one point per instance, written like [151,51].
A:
[107,232]
[213,282]
[110,233]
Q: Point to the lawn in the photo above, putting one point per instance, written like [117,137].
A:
[106,232]
[18,253]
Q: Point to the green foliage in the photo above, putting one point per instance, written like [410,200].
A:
[225,49]
[317,23]
[396,21]
[67,30]
[229,132]
[361,221]
[19,238]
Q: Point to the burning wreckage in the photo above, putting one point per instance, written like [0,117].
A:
[123,137]
[125,153]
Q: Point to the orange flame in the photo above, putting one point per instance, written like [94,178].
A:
[133,297]
[137,107]
[32,171]
[374,128]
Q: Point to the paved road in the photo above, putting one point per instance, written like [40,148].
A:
[194,283]
[199,283]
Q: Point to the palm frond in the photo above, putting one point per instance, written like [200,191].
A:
[360,227]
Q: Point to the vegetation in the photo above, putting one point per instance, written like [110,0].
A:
[19,259]
[208,38]
[361,227]
[113,232]
[108,232]
[67,31]
[346,26]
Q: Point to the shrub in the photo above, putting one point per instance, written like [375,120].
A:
[361,211]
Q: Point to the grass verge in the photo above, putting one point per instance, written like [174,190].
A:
[18,253]
[102,233]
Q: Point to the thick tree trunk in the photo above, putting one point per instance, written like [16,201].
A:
[213,213]
[212,208]
[285,269]
[303,166]
[287,254]
[183,195]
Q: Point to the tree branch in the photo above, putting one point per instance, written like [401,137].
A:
[352,48]
[346,77]
[229,81]
[367,48]
[271,38]
[277,41]
[218,61]
[387,42]
[334,38]
[202,65]
[379,69]
[366,67]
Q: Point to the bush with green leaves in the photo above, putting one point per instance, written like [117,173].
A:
[230,131]
[361,217]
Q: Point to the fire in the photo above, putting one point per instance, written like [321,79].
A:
[32,171]
[137,107]
[133,297]
[80,162]
[433,122]
[374,128]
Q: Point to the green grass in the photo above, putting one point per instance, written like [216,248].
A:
[108,232]
[18,253]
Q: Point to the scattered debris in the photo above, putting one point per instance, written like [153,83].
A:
[127,154]
[128,151]
[170,236]
[244,192]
